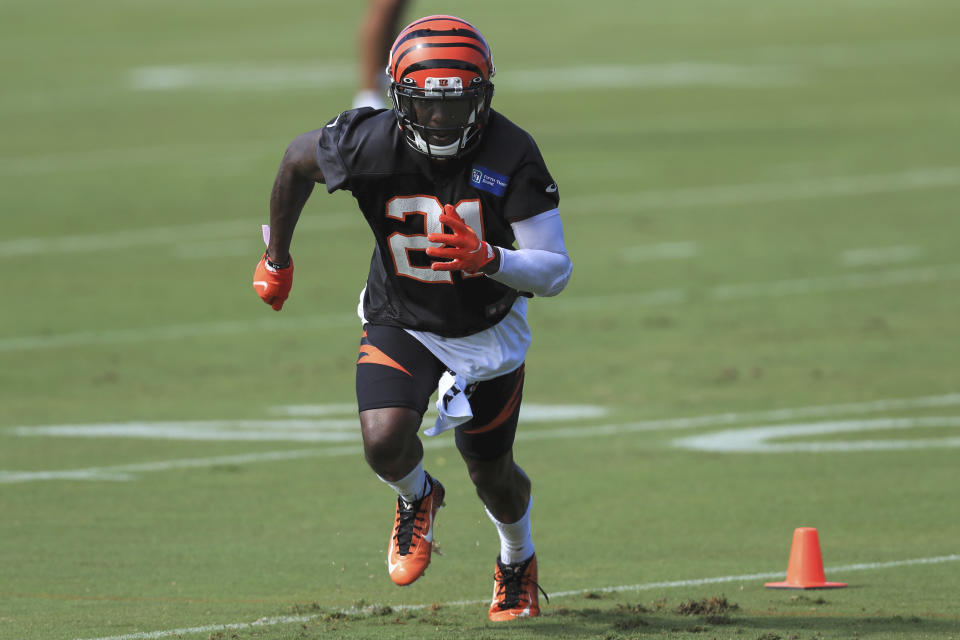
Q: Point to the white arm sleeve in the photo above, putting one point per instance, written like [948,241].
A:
[540,265]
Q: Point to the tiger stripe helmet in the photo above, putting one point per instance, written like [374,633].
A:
[440,69]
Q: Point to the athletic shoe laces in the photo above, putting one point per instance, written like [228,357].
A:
[510,587]
[410,524]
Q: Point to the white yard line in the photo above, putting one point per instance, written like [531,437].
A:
[648,586]
[529,412]
[760,576]
[762,439]
[771,289]
[176,332]
[628,203]
[821,411]
[213,158]
[330,430]
[314,410]
[239,76]
[172,236]
[659,251]
[326,429]
[128,471]
[848,55]
[847,282]
[784,65]
[659,297]
[879,255]
[620,203]
[656,75]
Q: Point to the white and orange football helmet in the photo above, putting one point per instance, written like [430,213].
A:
[440,69]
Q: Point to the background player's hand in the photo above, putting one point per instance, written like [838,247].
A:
[463,249]
[272,284]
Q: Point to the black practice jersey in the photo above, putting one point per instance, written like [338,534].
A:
[401,193]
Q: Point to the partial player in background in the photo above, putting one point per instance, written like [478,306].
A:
[448,186]
[378,28]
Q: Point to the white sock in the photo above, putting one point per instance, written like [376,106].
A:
[516,543]
[412,486]
[370,98]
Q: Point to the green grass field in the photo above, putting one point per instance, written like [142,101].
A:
[761,202]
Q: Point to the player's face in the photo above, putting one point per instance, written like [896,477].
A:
[446,116]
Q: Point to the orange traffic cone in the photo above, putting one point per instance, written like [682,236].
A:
[805,570]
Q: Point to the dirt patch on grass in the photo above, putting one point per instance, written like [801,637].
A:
[715,606]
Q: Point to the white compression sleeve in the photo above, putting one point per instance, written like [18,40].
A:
[540,265]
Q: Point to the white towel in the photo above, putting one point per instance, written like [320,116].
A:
[453,403]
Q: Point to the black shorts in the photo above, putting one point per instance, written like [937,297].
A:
[395,370]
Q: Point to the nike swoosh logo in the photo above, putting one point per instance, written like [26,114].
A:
[261,283]
[391,565]
[334,123]
[429,535]
[552,188]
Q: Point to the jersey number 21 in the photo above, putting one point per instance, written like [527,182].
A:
[430,208]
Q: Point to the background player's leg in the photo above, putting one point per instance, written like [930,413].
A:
[379,26]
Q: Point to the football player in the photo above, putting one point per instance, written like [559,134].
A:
[379,25]
[467,228]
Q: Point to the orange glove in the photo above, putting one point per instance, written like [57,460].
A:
[271,283]
[466,251]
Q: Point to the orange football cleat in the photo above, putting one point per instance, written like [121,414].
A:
[515,591]
[411,541]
